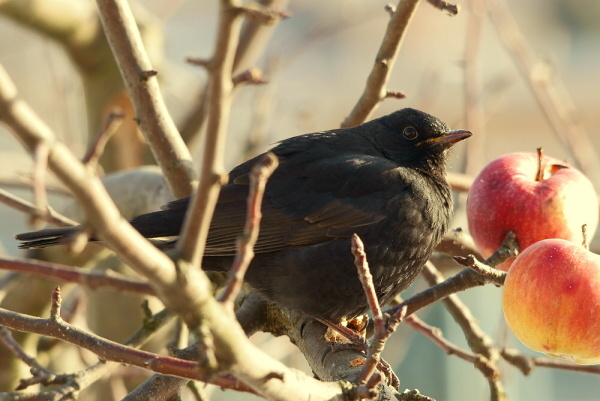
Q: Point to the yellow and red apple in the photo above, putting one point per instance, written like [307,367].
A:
[536,197]
[551,300]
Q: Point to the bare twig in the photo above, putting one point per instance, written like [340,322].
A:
[435,335]
[259,175]
[20,180]
[443,5]
[479,342]
[508,249]
[18,351]
[526,363]
[249,76]
[366,279]
[375,89]
[106,349]
[474,116]
[263,15]
[152,115]
[195,230]
[456,243]
[460,182]
[464,280]
[93,280]
[101,212]
[484,365]
[554,101]
[39,182]
[254,35]
[112,123]
[51,216]
[368,380]
[73,383]
[252,38]
[471,261]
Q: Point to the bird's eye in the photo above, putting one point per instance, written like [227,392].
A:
[410,133]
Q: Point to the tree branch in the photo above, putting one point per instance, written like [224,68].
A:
[195,230]
[152,115]
[375,90]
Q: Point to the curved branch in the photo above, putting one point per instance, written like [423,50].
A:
[141,82]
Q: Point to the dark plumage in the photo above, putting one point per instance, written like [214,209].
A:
[384,180]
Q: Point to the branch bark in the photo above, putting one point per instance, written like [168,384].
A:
[375,89]
[152,115]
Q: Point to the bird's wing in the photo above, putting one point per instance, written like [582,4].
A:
[305,203]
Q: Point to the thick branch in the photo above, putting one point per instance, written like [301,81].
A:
[152,114]
[184,289]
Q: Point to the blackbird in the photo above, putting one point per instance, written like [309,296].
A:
[384,180]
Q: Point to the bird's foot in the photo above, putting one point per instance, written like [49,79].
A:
[347,331]
[345,336]
[350,336]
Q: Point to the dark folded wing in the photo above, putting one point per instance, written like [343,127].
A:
[305,203]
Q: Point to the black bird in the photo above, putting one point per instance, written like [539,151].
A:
[384,180]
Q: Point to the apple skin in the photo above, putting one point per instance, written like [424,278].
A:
[505,196]
[551,300]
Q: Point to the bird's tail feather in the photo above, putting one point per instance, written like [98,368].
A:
[44,238]
[164,223]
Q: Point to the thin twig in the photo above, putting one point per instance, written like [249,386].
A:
[385,325]
[258,13]
[443,5]
[479,342]
[474,115]
[464,280]
[508,249]
[22,205]
[435,335]
[375,89]
[253,36]
[526,363]
[195,230]
[470,261]
[259,175]
[366,279]
[106,349]
[39,182]
[75,382]
[554,101]
[16,349]
[24,181]
[483,364]
[93,280]
[460,182]
[152,115]
[250,76]
[111,125]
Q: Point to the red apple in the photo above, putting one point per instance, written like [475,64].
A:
[551,300]
[512,193]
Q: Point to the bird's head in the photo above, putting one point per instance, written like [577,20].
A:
[415,139]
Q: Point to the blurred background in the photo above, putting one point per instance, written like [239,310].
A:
[317,62]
